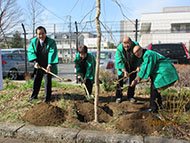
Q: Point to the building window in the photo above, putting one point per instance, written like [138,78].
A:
[188,28]
[180,27]
[145,27]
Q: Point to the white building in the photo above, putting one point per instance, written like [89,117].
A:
[91,43]
[66,43]
[127,28]
[172,25]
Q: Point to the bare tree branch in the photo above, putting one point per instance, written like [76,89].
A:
[10,15]
[34,11]
[123,12]
[109,31]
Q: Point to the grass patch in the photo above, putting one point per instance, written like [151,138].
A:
[6,97]
[26,85]
[8,84]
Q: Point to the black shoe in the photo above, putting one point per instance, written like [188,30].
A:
[149,110]
[47,101]
[31,98]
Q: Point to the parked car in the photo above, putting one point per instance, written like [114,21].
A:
[107,59]
[13,63]
[176,52]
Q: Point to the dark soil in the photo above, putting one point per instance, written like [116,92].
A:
[126,117]
[130,118]
[183,72]
[45,115]
[138,123]
[85,112]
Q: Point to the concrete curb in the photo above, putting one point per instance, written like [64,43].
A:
[65,135]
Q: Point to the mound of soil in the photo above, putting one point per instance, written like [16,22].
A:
[85,112]
[137,123]
[183,72]
[45,115]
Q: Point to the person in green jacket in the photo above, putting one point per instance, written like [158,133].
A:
[126,62]
[85,67]
[43,52]
[161,72]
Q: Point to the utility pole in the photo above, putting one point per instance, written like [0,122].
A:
[25,48]
[136,29]
[76,36]
[70,36]
[54,30]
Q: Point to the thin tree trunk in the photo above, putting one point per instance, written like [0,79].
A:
[97,87]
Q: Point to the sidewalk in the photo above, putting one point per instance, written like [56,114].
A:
[20,133]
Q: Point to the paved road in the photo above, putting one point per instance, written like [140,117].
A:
[67,70]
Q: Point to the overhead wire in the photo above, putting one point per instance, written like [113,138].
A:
[122,11]
[49,10]
[74,6]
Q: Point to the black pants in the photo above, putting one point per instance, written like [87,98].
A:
[89,86]
[154,94]
[37,83]
[131,90]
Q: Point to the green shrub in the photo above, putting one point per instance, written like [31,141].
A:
[108,79]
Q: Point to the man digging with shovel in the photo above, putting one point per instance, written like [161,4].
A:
[125,63]
[161,72]
[43,52]
[85,67]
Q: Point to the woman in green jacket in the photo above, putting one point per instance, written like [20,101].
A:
[85,67]
[43,52]
[160,70]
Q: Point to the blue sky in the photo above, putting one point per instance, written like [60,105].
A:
[110,11]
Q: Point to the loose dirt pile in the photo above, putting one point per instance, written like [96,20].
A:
[183,72]
[45,115]
[138,123]
[128,116]
[85,112]
[125,117]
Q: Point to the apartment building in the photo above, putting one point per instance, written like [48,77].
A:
[172,25]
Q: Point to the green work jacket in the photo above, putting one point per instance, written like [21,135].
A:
[52,53]
[159,68]
[90,66]
[129,62]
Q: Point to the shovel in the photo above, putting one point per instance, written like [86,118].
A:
[27,76]
[88,96]
[123,78]
[142,81]
[64,80]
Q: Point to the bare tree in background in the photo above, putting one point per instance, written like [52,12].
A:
[34,11]
[10,16]
[97,86]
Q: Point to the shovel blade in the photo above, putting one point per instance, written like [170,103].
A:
[27,76]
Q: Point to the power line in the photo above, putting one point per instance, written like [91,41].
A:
[50,11]
[122,11]
[74,6]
